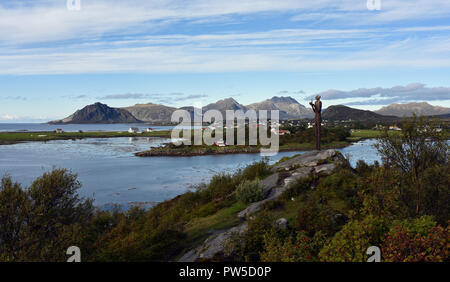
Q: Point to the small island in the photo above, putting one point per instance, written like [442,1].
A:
[294,139]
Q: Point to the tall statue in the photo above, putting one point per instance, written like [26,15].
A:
[317,108]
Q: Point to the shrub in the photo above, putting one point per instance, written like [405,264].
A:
[350,244]
[250,191]
[258,169]
[248,246]
[288,249]
[416,240]
[297,188]
[41,222]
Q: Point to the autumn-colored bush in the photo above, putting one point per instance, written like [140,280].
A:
[416,241]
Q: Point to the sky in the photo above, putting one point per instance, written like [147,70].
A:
[58,56]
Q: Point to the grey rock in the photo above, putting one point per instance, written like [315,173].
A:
[269,183]
[308,159]
[299,173]
[325,168]
[213,245]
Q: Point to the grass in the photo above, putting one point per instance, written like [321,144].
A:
[361,134]
[16,137]
[197,228]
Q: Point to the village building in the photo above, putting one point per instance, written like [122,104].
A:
[394,127]
[220,143]
[280,131]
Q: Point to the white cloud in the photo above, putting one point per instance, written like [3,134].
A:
[116,36]
[8,117]
[47,21]
[384,96]
[315,50]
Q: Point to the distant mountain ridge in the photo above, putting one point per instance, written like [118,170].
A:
[224,105]
[288,108]
[99,113]
[407,110]
[344,113]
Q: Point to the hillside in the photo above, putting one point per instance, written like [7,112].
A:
[99,113]
[289,107]
[407,110]
[151,112]
[341,113]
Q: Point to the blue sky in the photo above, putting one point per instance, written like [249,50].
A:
[54,60]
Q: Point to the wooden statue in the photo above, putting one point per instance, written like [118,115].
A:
[317,108]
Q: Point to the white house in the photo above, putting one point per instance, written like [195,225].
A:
[280,131]
[59,130]
[149,129]
[133,130]
[394,127]
[220,143]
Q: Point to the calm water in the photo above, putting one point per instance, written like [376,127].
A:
[111,173]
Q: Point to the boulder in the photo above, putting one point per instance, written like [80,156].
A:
[310,159]
[325,168]
[299,173]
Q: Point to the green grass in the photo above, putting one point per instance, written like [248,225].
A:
[16,137]
[360,134]
[365,133]
[197,228]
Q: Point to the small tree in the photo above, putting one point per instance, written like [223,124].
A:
[419,145]
[39,223]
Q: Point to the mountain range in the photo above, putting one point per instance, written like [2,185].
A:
[288,108]
[407,110]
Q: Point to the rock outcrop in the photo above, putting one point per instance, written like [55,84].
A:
[284,174]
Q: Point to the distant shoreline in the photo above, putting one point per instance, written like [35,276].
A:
[10,138]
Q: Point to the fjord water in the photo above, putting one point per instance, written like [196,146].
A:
[110,173]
